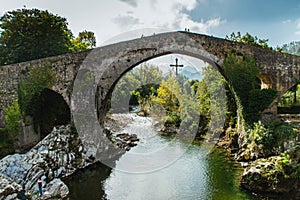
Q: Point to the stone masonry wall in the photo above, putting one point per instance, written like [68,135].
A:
[64,66]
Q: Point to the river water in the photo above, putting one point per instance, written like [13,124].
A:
[160,168]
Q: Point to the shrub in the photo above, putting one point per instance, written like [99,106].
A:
[12,118]
[40,77]
[272,136]
[242,73]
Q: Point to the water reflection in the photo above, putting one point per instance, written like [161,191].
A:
[195,175]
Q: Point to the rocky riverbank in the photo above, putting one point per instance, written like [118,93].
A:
[58,155]
[274,176]
[271,176]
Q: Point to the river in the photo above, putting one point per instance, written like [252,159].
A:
[195,174]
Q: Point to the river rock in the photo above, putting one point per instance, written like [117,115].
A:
[267,176]
[56,188]
[169,130]
[125,140]
[8,187]
[59,154]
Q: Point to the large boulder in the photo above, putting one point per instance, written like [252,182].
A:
[56,188]
[8,188]
[269,176]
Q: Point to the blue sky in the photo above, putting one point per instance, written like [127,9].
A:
[276,20]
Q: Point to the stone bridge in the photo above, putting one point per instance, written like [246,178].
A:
[108,63]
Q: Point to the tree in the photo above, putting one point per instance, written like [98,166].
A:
[122,92]
[211,97]
[168,96]
[85,40]
[31,34]
[149,77]
[136,87]
[40,77]
[12,118]
[248,39]
[242,72]
[28,34]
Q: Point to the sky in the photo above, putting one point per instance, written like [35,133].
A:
[276,20]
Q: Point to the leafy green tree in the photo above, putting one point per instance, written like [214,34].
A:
[136,87]
[40,77]
[12,118]
[203,98]
[211,96]
[85,40]
[122,92]
[27,34]
[242,72]
[12,129]
[149,77]
[168,96]
[30,34]
[248,39]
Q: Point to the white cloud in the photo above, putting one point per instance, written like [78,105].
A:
[115,17]
[167,14]
[297,22]
[125,21]
[186,4]
[287,21]
[132,3]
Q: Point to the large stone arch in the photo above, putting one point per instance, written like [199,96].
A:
[104,66]
[109,63]
[128,62]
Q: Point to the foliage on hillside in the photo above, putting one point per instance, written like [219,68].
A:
[269,138]
[27,34]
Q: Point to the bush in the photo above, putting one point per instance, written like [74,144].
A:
[259,100]
[272,136]
[12,117]
[242,73]
[40,77]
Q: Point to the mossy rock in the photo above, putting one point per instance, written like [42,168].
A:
[268,176]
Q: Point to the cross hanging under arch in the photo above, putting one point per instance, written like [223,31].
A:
[176,66]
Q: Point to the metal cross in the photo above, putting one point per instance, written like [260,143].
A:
[176,66]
